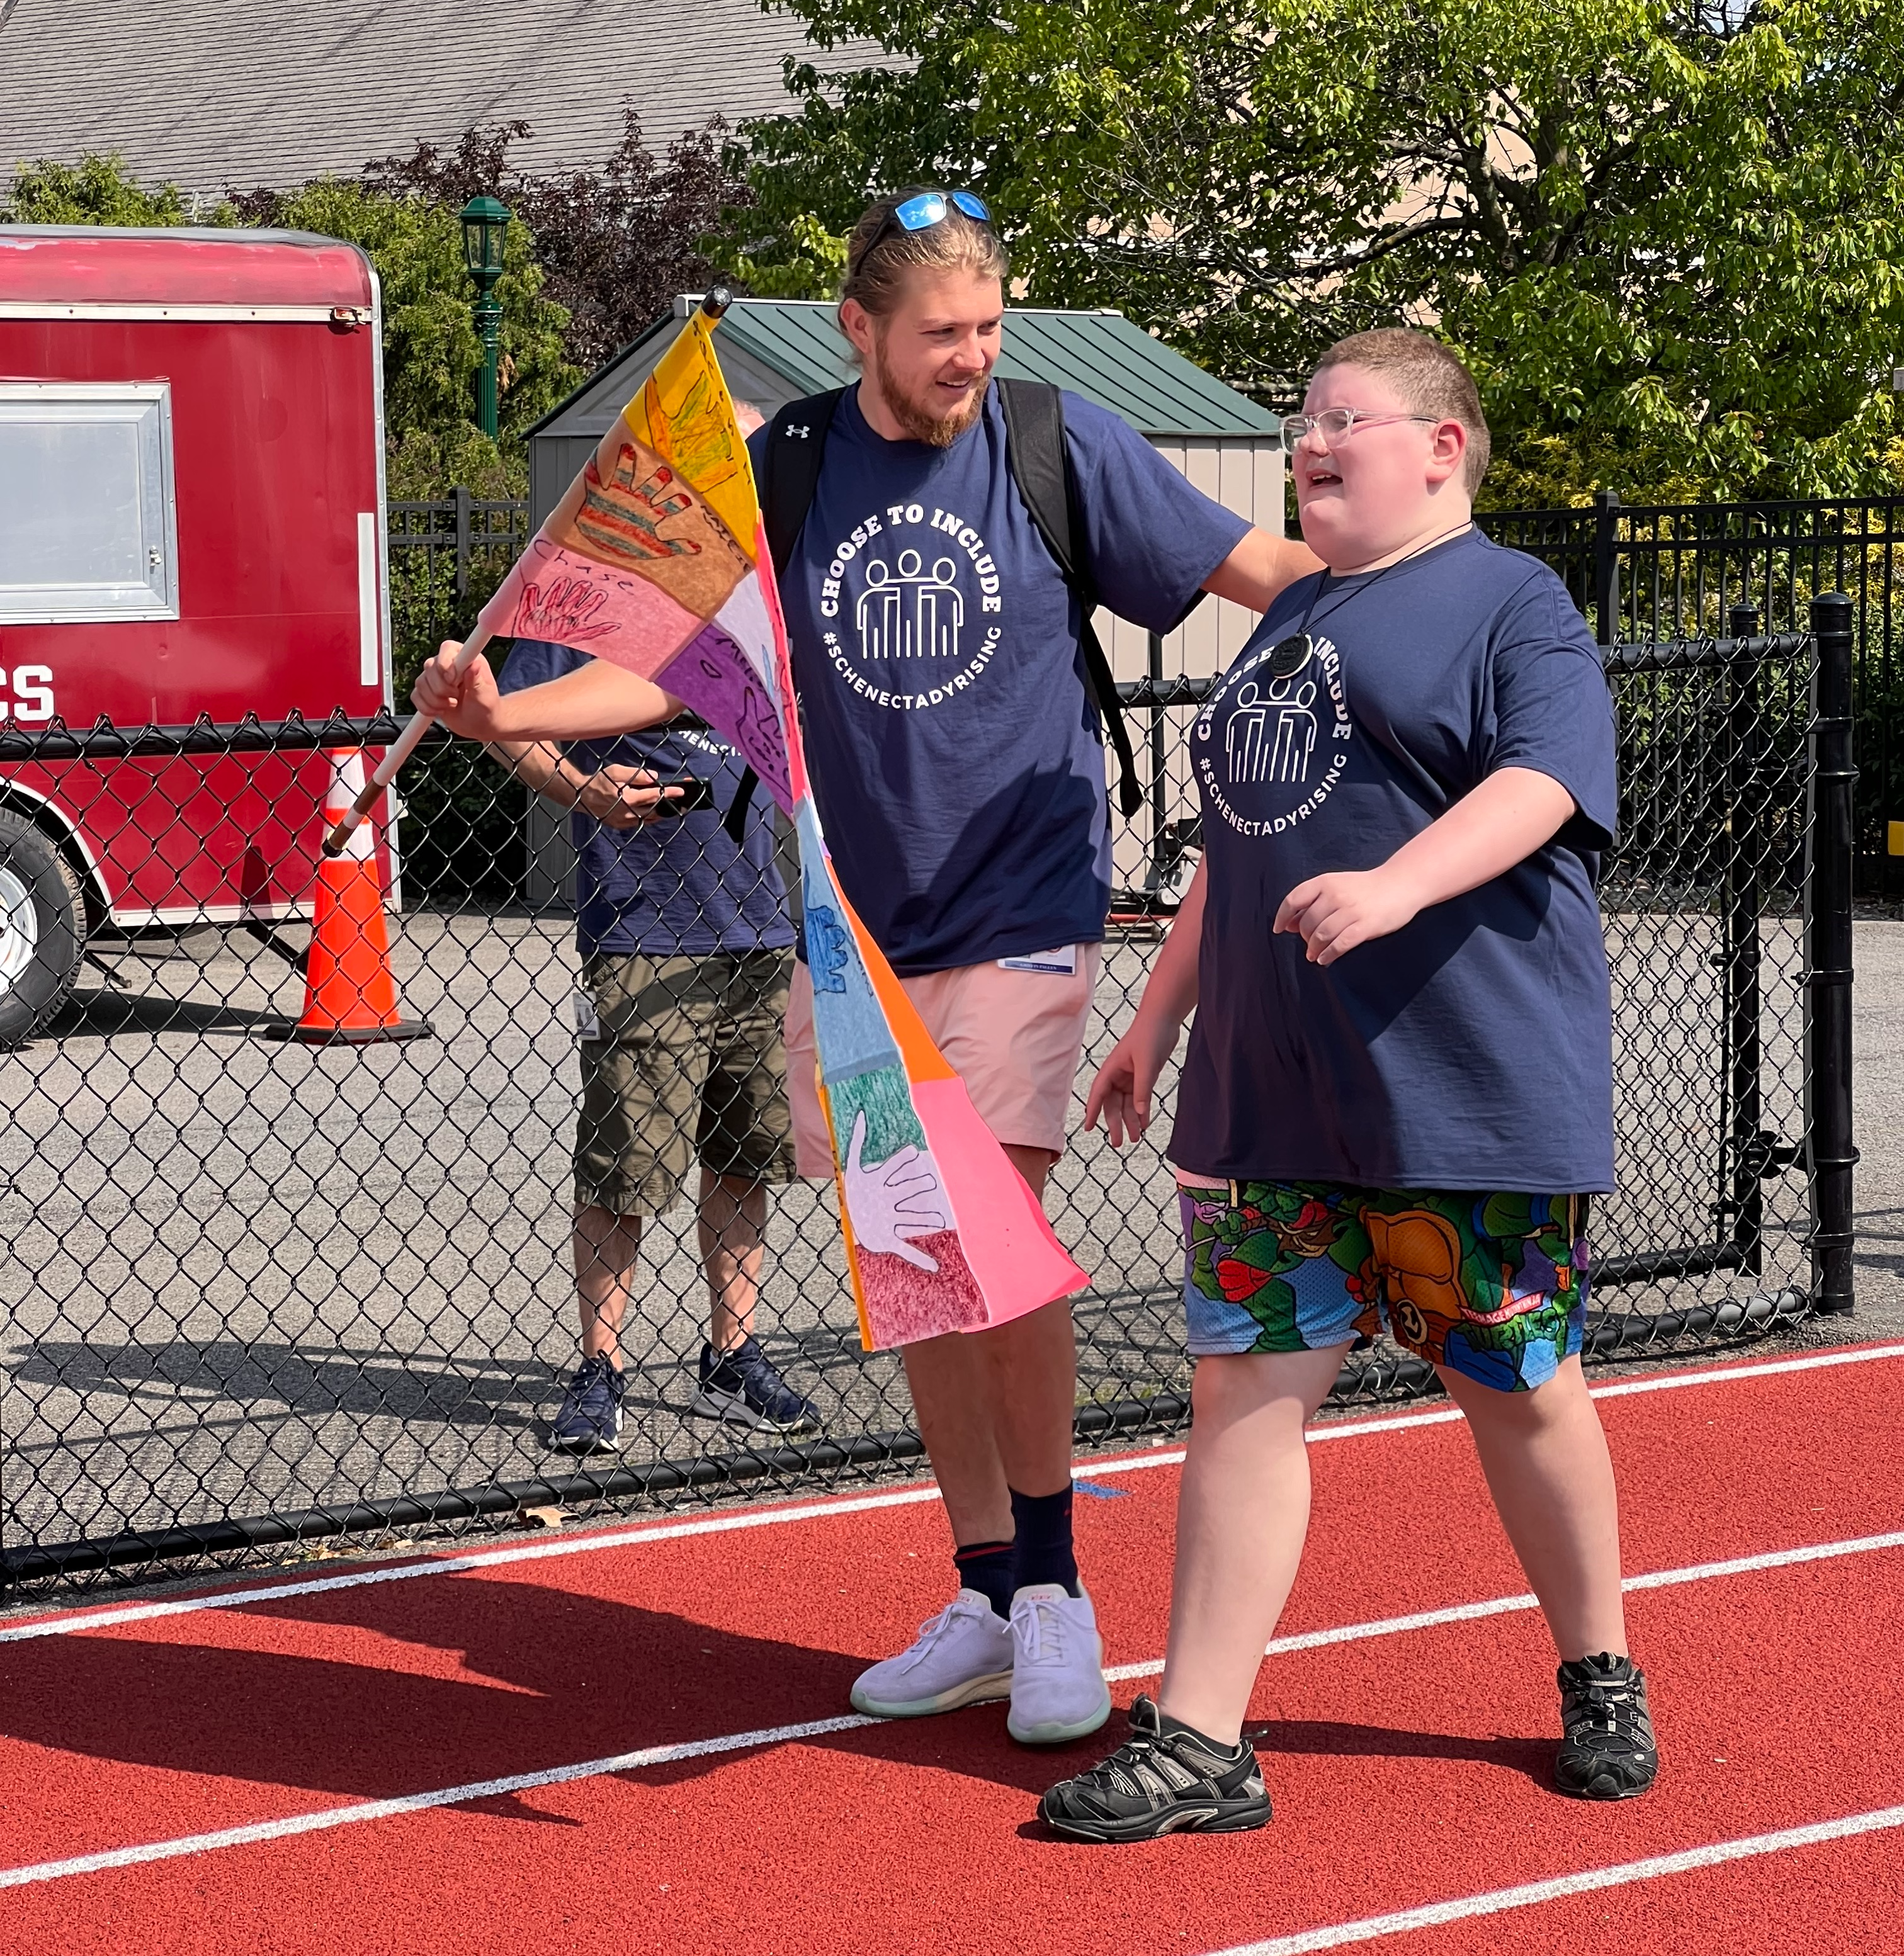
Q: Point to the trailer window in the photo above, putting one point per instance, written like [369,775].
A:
[88,526]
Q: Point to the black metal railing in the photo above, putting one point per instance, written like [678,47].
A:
[1641,574]
[1679,570]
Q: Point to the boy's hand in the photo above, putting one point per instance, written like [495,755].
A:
[464,701]
[1121,1091]
[1514,813]
[625,797]
[1334,913]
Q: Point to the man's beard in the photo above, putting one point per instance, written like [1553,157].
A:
[935,430]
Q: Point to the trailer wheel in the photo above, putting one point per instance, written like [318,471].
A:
[42,929]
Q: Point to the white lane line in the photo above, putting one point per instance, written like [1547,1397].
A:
[418,1803]
[1434,1915]
[653,1755]
[457,1565]
[1817,1361]
[70,1623]
[1504,1606]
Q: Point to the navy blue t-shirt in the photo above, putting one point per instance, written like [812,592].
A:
[956,762]
[676,888]
[1472,1049]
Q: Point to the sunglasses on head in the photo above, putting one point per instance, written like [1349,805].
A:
[928,208]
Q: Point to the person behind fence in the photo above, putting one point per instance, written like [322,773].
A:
[684,940]
[1397,1104]
[950,704]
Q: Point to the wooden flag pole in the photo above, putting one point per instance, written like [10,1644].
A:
[420,724]
[713,304]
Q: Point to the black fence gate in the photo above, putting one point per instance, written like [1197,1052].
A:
[258,1292]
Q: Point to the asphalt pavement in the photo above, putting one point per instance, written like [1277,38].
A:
[240,1275]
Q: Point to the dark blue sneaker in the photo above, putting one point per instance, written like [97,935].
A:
[589,1417]
[742,1387]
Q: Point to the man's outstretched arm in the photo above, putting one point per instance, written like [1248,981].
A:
[1260,569]
[594,702]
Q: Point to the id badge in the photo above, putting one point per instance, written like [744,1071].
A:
[588,1020]
[1061,963]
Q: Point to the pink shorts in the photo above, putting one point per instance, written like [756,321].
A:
[1013,1037]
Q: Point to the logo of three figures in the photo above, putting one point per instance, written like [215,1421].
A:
[911,612]
[1271,734]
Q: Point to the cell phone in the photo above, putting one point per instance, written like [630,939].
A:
[695,794]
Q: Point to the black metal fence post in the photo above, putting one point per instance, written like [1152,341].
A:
[1745,737]
[1607,563]
[1829,1154]
[459,498]
[1153,671]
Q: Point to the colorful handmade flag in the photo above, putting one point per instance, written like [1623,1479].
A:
[657,560]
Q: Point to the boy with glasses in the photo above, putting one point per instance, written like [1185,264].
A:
[1397,1100]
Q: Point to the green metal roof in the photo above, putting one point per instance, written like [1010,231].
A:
[1101,355]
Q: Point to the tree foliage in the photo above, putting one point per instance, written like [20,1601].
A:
[1668,235]
[431,351]
[615,244]
[96,190]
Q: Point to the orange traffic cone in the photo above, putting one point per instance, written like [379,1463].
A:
[350,992]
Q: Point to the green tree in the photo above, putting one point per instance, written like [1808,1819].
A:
[98,190]
[800,259]
[1668,235]
[431,352]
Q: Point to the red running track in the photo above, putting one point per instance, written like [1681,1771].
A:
[1409,1769]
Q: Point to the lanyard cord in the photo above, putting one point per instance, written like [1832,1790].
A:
[1315,596]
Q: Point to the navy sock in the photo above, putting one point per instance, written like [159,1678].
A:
[988,1567]
[1043,1545]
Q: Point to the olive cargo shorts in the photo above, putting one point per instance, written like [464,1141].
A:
[683,1058]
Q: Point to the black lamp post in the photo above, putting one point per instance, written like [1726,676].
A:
[485,222]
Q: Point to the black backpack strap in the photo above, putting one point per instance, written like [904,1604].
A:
[796,442]
[1040,459]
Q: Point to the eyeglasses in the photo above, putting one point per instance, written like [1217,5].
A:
[1335,424]
[928,208]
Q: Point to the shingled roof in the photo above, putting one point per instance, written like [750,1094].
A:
[212,93]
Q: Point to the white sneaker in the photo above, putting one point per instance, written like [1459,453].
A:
[1058,1687]
[963,1657]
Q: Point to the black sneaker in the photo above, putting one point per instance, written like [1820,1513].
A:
[1159,1782]
[589,1417]
[742,1387]
[1608,1752]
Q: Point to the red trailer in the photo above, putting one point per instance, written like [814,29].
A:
[192,500]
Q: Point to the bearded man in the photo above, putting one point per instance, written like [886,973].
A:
[958,766]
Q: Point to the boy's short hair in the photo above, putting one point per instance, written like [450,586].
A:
[1429,376]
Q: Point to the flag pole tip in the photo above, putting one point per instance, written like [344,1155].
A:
[716,302]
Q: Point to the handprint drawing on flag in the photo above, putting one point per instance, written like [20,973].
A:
[893,1202]
[656,560]
[562,613]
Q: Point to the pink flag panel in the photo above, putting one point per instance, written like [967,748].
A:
[554,594]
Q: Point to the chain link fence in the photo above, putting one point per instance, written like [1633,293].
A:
[1652,572]
[260,1291]
[1640,573]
